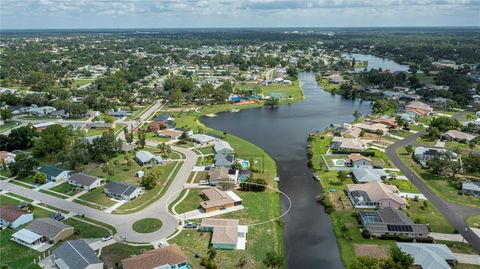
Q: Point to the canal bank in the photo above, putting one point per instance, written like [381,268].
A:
[282,133]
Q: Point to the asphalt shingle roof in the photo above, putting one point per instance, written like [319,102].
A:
[76,254]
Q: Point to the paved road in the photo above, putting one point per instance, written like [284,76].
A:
[455,214]
[123,223]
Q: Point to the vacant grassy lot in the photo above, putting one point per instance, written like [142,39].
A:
[191,202]
[293,92]
[66,189]
[148,225]
[81,82]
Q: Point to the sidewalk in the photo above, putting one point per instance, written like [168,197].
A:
[71,198]
[468,258]
[447,237]
[115,206]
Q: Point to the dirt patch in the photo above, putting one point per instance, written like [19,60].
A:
[372,251]
[340,205]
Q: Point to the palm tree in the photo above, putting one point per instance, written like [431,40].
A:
[162,147]
[357,115]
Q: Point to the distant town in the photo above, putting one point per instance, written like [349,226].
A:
[240,149]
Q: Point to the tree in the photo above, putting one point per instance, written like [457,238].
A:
[444,162]
[444,124]
[271,102]
[6,114]
[105,147]
[292,72]
[399,259]
[273,260]
[23,166]
[141,136]
[18,139]
[149,181]
[357,115]
[409,149]
[164,148]
[342,176]
[433,132]
[40,178]
[176,97]
[52,140]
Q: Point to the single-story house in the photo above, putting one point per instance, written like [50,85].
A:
[13,216]
[429,256]
[42,126]
[89,139]
[169,257]
[373,194]
[122,191]
[165,119]
[471,188]
[43,230]
[7,157]
[156,126]
[202,139]
[340,143]
[389,122]
[85,182]
[170,133]
[419,108]
[100,125]
[146,157]
[119,113]
[217,199]
[75,254]
[224,160]
[363,174]
[408,116]
[422,155]
[356,159]
[226,233]
[457,136]
[222,147]
[391,222]
[372,127]
[41,111]
[60,114]
[54,173]
[128,147]
[218,174]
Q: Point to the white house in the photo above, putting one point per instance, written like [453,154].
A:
[122,191]
[54,173]
[12,216]
[85,182]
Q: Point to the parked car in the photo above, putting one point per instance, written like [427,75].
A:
[192,225]
[57,216]
[106,238]
[22,205]
[162,244]
[204,182]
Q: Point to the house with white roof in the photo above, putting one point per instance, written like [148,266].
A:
[429,256]
[144,157]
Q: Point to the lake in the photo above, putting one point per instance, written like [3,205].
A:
[375,62]
[282,132]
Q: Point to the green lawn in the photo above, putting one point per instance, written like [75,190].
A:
[191,202]
[426,140]
[259,207]
[474,221]
[455,145]
[401,133]
[206,150]
[428,215]
[404,185]
[148,225]
[293,92]
[113,254]
[445,189]
[415,127]
[458,247]
[7,126]
[98,197]
[329,87]
[66,189]
[424,120]
[85,230]
[81,82]
[154,136]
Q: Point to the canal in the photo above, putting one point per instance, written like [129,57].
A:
[282,133]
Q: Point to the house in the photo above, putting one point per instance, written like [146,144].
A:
[155,126]
[422,155]
[169,257]
[119,113]
[226,233]
[100,125]
[353,144]
[429,256]
[41,111]
[219,174]
[85,182]
[408,116]
[391,122]
[145,157]
[419,108]
[471,188]
[224,160]
[373,194]
[391,222]
[42,126]
[54,173]
[75,254]
[170,133]
[7,157]
[13,216]
[356,159]
[372,127]
[457,136]
[202,139]
[363,174]
[165,119]
[222,147]
[89,139]
[43,230]
[216,199]
[335,78]
[60,114]
[122,191]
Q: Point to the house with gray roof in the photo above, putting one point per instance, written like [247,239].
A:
[54,173]
[364,174]
[85,182]
[224,160]
[457,136]
[422,155]
[471,188]
[76,254]
[391,222]
[429,256]
[202,139]
[222,147]
[43,230]
[122,191]
[144,157]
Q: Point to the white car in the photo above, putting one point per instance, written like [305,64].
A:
[204,182]
[162,244]
[106,238]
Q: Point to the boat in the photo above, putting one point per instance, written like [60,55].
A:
[316,177]
[277,179]
[211,115]
[234,110]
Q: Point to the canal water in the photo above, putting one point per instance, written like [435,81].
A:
[282,132]
[375,62]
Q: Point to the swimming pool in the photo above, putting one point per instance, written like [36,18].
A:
[338,162]
[245,164]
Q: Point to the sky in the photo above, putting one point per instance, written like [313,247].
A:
[63,14]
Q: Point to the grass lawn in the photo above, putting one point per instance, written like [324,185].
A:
[426,140]
[415,127]
[404,185]
[113,254]
[66,189]
[429,215]
[191,202]
[148,225]
[117,129]
[85,230]
[457,247]
[401,133]
[455,145]
[98,197]
[81,82]
[293,92]
[266,237]
[206,150]
[474,221]
[7,126]
[424,120]
[20,183]
[445,189]
[5,172]
[155,137]
[329,87]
